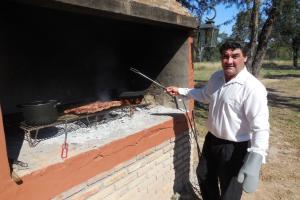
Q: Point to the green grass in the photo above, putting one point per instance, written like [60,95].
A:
[203,71]
[277,68]
[285,121]
[273,73]
[283,83]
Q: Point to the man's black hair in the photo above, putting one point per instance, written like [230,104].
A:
[233,44]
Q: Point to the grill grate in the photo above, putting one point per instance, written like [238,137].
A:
[31,132]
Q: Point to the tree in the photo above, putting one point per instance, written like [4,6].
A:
[253,26]
[259,30]
[287,28]
[258,38]
[272,12]
[240,30]
[197,7]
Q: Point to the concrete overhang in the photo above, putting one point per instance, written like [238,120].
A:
[119,9]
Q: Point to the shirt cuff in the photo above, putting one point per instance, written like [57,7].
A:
[183,91]
[263,153]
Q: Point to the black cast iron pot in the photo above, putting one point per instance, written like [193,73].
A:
[39,113]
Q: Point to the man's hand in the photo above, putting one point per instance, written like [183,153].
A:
[249,173]
[172,90]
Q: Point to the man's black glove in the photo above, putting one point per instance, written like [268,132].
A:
[249,173]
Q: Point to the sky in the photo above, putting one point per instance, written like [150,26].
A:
[224,14]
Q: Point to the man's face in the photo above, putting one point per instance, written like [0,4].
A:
[233,61]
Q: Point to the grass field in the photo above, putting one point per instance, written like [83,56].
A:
[281,176]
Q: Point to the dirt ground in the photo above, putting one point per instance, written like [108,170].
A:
[280,176]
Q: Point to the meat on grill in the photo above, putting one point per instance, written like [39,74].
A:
[94,107]
[100,105]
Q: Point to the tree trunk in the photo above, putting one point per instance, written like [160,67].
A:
[295,57]
[264,38]
[254,34]
[295,51]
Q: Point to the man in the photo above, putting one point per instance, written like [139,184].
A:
[238,126]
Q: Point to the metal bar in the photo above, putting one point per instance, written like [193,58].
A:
[28,138]
[193,126]
[196,133]
[88,120]
[143,75]
[65,145]
[34,141]
[96,118]
[65,126]
[36,134]
[176,103]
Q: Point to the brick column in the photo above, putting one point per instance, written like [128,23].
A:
[4,166]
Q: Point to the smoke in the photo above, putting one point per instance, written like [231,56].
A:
[105,95]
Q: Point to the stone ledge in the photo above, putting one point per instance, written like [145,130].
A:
[120,9]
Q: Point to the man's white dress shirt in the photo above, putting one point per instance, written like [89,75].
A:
[238,109]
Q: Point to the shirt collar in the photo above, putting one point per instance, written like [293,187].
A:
[240,77]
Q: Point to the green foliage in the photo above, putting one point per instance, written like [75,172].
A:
[285,38]
[287,26]
[241,30]
[279,52]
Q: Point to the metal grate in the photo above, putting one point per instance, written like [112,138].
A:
[31,132]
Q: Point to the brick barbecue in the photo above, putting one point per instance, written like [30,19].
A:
[78,52]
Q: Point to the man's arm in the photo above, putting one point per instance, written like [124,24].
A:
[199,94]
[257,113]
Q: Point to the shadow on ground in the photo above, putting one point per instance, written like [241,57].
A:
[272,65]
[279,101]
[283,76]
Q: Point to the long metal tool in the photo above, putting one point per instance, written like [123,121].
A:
[143,75]
[155,82]
[65,145]
[193,128]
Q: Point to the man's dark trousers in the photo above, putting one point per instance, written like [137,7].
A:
[219,164]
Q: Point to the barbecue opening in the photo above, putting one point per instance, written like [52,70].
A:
[83,62]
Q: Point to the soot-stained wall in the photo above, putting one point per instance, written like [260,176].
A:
[48,54]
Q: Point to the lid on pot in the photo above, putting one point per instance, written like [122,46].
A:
[38,103]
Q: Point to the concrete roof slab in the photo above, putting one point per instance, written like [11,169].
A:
[120,9]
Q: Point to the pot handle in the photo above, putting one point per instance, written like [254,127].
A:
[56,104]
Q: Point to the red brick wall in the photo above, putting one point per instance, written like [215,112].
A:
[154,174]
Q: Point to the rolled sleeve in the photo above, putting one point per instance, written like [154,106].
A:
[198,94]
[257,113]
